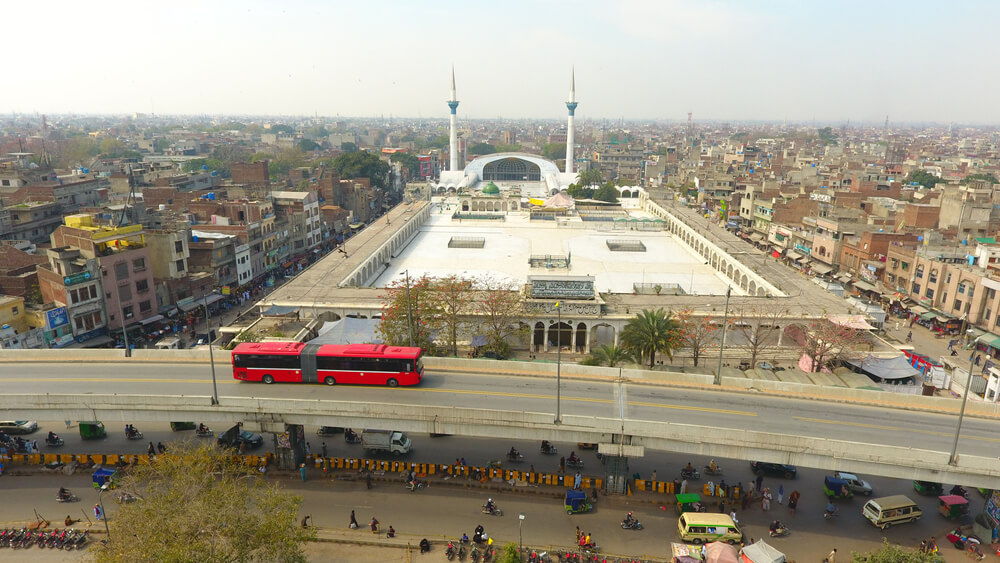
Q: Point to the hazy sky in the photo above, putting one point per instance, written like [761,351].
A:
[785,59]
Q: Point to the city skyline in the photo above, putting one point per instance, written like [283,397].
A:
[634,60]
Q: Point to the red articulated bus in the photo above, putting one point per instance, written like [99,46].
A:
[298,362]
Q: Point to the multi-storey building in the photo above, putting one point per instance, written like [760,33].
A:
[298,212]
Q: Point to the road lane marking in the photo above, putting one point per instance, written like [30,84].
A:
[892,428]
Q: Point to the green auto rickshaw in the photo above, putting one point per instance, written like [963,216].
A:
[928,487]
[689,502]
[92,430]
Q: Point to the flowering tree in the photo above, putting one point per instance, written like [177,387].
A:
[826,342]
[499,306]
[453,300]
[759,327]
[412,308]
[696,333]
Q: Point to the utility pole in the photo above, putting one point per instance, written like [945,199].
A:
[722,344]
[409,309]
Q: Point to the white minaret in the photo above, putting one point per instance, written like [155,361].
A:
[571,106]
[453,135]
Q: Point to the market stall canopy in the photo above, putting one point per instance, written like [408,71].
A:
[349,330]
[718,552]
[760,552]
[559,200]
[821,268]
[856,322]
[886,368]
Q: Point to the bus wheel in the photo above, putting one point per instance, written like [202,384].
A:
[330,380]
[268,379]
[392,383]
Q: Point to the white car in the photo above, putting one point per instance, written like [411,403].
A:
[857,485]
[18,426]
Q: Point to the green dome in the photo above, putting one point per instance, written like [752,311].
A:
[491,189]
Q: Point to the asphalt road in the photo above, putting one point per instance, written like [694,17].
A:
[809,418]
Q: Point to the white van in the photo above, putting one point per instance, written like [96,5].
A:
[886,511]
[169,344]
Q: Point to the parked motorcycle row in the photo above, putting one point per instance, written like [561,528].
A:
[67,539]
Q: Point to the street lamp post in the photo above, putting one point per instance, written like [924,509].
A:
[520,538]
[558,364]
[953,460]
[104,514]
[211,357]
[409,309]
[722,344]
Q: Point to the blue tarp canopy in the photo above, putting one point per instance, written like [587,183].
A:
[349,330]
[478,340]
[279,310]
[890,369]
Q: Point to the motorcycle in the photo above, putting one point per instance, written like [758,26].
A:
[450,552]
[415,485]
[461,553]
[633,525]
[133,434]
[551,450]
[708,470]
[495,512]
[693,474]
[515,456]
[352,438]
[203,432]
[54,442]
[829,515]
[960,491]
[70,497]
[474,554]
[574,463]
[779,532]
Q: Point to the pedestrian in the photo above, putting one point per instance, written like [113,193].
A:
[830,558]
[577,481]
[305,521]
[733,516]
[69,423]
[923,544]
[161,448]
[781,493]
[897,324]
[531,469]
[374,525]
[263,470]
[34,446]
[684,486]
[722,506]
[462,462]
[723,489]
[243,447]
[652,476]
[737,491]
[759,482]
[765,501]
[324,450]
[562,465]
[308,449]
[98,513]
[909,335]
[711,488]
[931,546]
[354,521]
[151,449]
[368,480]
[578,534]
[302,471]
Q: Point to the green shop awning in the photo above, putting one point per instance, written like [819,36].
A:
[991,340]
[929,316]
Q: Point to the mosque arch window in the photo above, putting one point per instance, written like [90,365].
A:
[512,170]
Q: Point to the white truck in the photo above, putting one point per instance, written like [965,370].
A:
[385,441]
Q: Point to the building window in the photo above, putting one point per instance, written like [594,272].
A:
[920,271]
[933,276]
[958,305]
[145,307]
[179,265]
[139,264]
[13,311]
[915,289]
[905,266]
[124,293]
[178,247]
[142,286]
[972,291]
[961,286]
[986,314]
[121,270]
[929,293]
[947,278]
[128,311]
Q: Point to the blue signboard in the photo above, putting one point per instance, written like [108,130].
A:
[57,317]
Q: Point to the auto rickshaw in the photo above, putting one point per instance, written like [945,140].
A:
[102,477]
[92,430]
[953,507]
[928,487]
[836,488]
[689,502]
[179,426]
[576,502]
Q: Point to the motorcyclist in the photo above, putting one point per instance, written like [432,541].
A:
[712,466]
[572,458]
[425,546]
[202,428]
[830,509]
[478,535]
[513,452]
[52,437]
[546,446]
[689,468]
[776,526]
[629,520]
[350,435]
[490,506]
[63,493]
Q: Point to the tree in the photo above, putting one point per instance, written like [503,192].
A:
[453,303]
[308,145]
[348,146]
[200,504]
[482,148]
[501,147]
[589,178]
[827,342]
[282,128]
[651,332]
[924,178]
[758,326]
[410,309]
[989,177]
[827,136]
[554,151]
[576,191]
[410,163]
[892,553]
[696,333]
[499,307]
[361,165]
[607,193]
[611,356]
[508,554]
